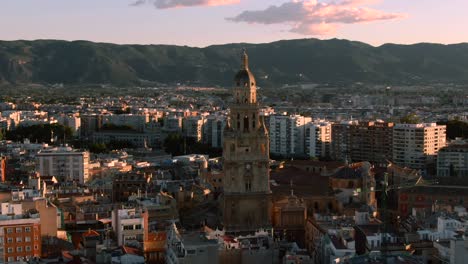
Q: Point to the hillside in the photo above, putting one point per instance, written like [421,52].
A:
[277,63]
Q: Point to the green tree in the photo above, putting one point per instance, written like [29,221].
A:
[41,133]
[98,148]
[410,119]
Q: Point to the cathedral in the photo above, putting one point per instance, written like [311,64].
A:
[247,195]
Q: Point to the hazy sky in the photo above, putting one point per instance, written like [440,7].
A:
[206,22]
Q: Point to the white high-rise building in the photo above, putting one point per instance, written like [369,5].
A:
[318,139]
[64,163]
[415,145]
[287,135]
[193,127]
[213,130]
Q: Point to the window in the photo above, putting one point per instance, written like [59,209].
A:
[11,259]
[248,185]
[36,247]
[19,239]
[10,230]
[19,249]
[27,239]
[10,250]
[28,248]
[27,229]
[19,230]
[10,240]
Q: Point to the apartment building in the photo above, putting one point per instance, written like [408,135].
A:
[341,140]
[453,160]
[65,163]
[136,122]
[287,135]
[193,127]
[318,139]
[213,130]
[365,141]
[20,238]
[416,145]
[129,226]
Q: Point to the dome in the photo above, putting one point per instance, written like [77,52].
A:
[244,76]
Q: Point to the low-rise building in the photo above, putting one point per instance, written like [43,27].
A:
[20,238]
[129,226]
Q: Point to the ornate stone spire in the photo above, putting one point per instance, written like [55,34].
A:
[245,60]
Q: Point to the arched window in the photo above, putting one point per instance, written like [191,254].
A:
[253,121]
[248,185]
[246,123]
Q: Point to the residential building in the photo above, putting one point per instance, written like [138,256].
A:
[71,121]
[137,122]
[416,145]
[318,139]
[366,141]
[126,184]
[20,238]
[134,138]
[173,124]
[288,135]
[129,226]
[213,130]
[452,161]
[371,141]
[341,140]
[65,163]
[90,123]
[190,248]
[193,127]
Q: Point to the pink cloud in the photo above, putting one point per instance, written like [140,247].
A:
[310,17]
[165,4]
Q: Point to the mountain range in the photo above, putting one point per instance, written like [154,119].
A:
[276,63]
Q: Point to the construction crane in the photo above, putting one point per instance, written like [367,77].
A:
[386,188]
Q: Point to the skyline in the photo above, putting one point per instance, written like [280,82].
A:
[202,23]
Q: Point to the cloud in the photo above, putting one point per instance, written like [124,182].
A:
[311,17]
[165,4]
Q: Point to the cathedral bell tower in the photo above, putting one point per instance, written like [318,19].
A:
[247,195]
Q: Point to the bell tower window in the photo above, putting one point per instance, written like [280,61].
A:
[248,185]
[246,123]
